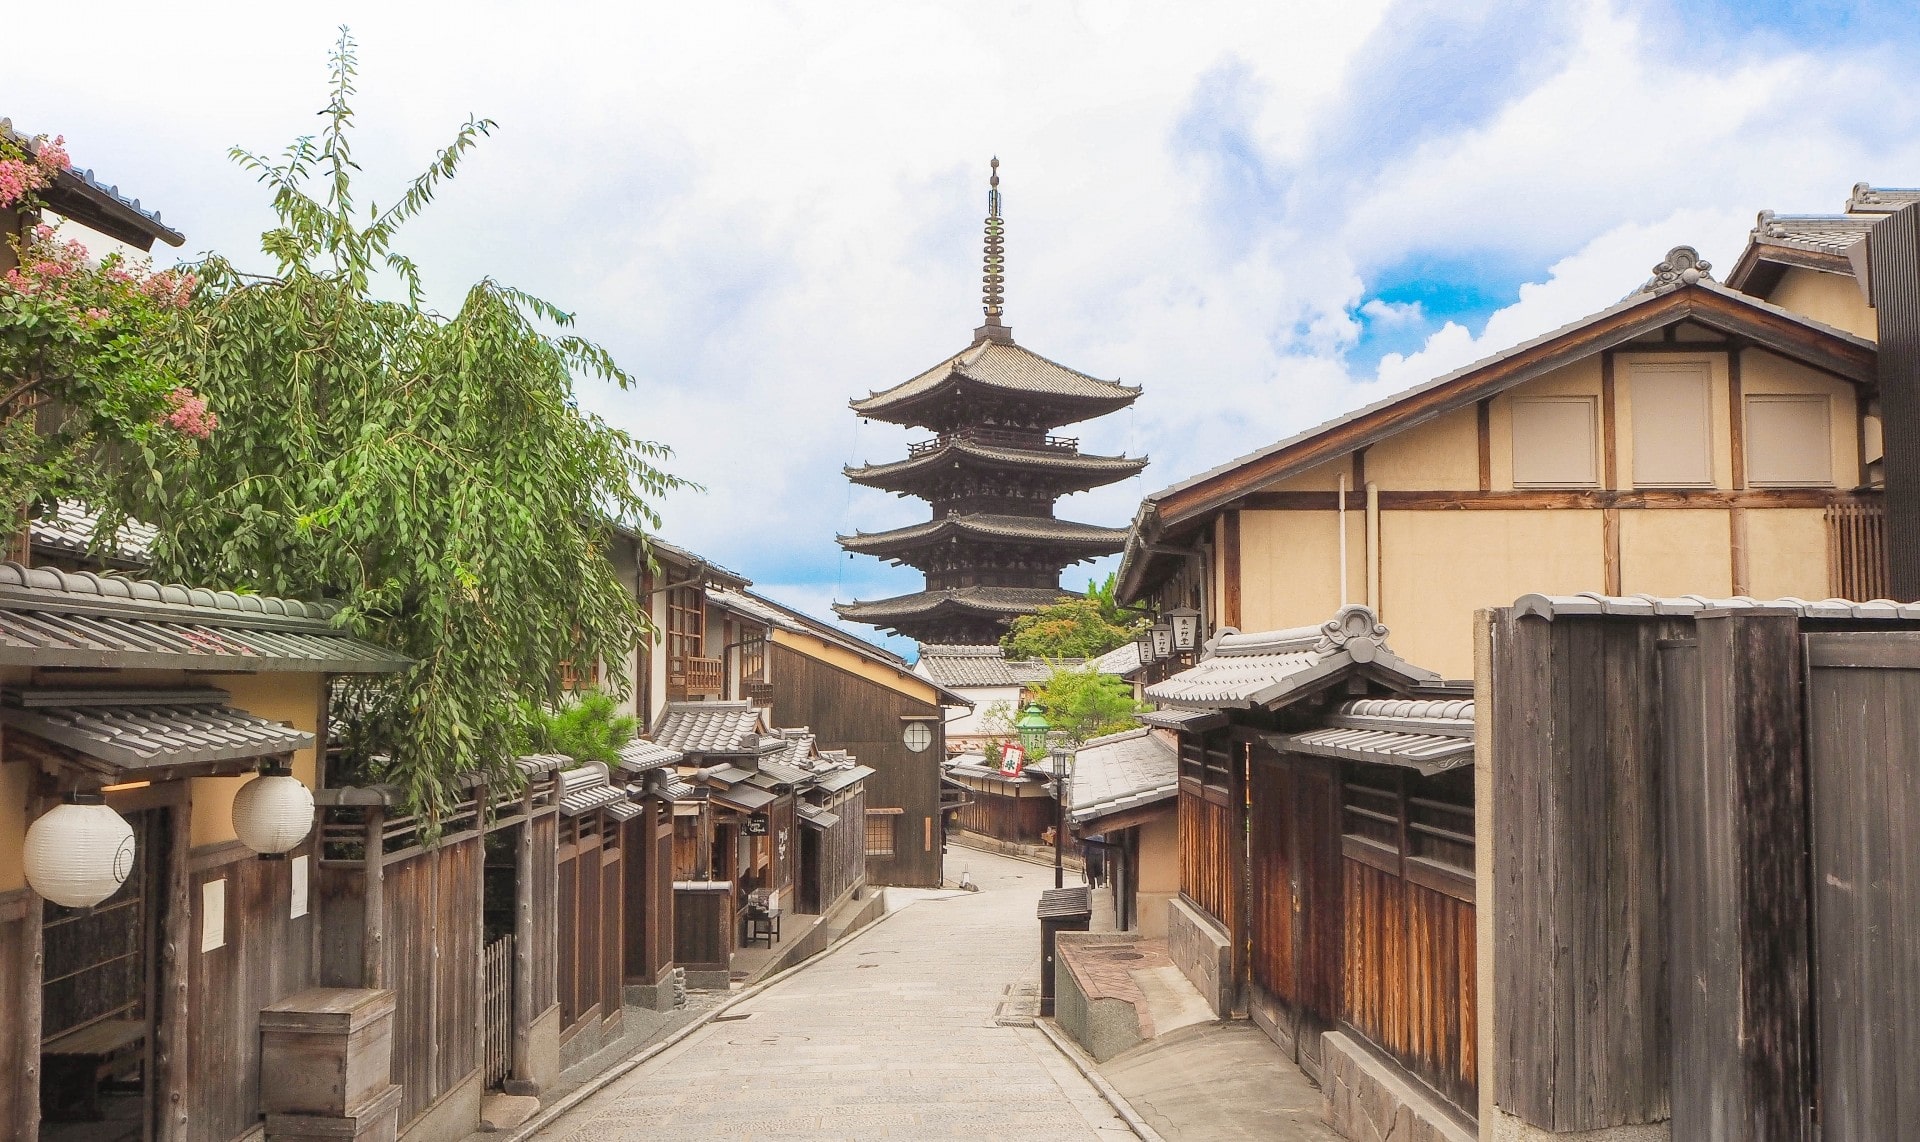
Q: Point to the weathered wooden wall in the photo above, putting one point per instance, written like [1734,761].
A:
[1581,975]
[843,849]
[432,909]
[846,711]
[702,929]
[648,906]
[1210,840]
[1023,820]
[19,1046]
[267,956]
[1295,924]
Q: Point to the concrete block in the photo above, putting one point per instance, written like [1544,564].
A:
[1203,953]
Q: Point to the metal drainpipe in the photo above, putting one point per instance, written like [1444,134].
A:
[1373,546]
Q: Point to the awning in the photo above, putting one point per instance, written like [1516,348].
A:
[149,734]
[744,798]
[625,809]
[1430,736]
[818,818]
[834,780]
[642,756]
[593,797]
[731,774]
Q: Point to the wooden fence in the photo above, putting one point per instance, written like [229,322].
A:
[497,1017]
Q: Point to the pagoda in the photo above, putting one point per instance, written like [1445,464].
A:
[993,549]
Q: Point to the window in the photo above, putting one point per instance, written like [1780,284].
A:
[1672,429]
[686,623]
[1789,440]
[880,827]
[1553,442]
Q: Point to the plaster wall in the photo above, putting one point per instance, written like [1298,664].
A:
[1787,553]
[1438,567]
[15,779]
[1159,874]
[1678,552]
[1321,478]
[279,697]
[1830,298]
[1625,367]
[1440,455]
[984,698]
[1290,566]
[1762,373]
[1581,378]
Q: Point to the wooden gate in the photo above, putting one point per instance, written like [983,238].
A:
[497,1009]
[1863,738]
[1294,912]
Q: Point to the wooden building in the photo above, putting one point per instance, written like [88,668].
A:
[993,549]
[1122,794]
[866,701]
[1690,439]
[163,700]
[1327,867]
[1018,809]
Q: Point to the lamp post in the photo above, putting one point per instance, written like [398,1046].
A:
[1061,755]
[1032,728]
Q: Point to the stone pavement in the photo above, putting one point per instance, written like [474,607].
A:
[1219,1082]
[889,1035]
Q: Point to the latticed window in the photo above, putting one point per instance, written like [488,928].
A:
[880,830]
[686,624]
[1857,551]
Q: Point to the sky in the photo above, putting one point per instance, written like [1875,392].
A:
[1265,214]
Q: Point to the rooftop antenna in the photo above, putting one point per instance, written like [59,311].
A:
[993,285]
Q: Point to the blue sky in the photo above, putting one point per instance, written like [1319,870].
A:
[1265,214]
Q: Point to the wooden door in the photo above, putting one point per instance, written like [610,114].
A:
[1294,901]
[1863,737]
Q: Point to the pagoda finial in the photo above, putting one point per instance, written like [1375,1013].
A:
[993,291]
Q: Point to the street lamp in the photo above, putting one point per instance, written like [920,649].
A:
[1032,728]
[1061,755]
[1143,642]
[1162,633]
[1186,628]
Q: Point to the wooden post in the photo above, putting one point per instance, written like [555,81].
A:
[523,1012]
[177,945]
[1737,886]
[31,998]
[373,954]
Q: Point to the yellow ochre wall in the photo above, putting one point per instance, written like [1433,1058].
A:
[292,698]
[1438,567]
[1827,298]
[1159,873]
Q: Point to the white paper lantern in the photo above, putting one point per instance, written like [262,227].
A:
[272,813]
[78,855]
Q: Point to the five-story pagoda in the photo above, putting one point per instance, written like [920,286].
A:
[993,549]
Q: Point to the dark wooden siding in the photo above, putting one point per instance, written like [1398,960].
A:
[647,857]
[1023,820]
[702,929]
[432,962]
[267,956]
[846,711]
[1294,906]
[546,900]
[1209,846]
[19,1071]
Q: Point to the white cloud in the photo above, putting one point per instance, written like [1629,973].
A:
[765,208]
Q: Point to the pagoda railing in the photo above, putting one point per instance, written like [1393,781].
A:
[997,437]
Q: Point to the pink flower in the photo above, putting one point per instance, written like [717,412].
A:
[43,233]
[96,314]
[19,179]
[53,155]
[190,415]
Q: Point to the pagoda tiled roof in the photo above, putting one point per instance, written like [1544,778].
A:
[1090,539]
[1070,471]
[997,367]
[976,600]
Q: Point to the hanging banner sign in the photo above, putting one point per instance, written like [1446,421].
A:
[1013,760]
[756,826]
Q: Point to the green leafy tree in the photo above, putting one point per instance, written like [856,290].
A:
[1086,627]
[588,728]
[1083,703]
[431,472]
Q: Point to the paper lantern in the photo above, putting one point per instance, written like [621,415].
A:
[272,813]
[79,854]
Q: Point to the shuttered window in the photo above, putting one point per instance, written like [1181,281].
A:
[1553,442]
[880,832]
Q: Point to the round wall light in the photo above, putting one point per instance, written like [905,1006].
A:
[273,812]
[80,852]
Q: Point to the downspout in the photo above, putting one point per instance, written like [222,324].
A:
[1373,546]
[1343,538]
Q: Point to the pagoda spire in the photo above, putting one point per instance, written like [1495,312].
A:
[993,270]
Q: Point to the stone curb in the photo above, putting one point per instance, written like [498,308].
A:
[548,1115]
[1085,1066]
[956,842]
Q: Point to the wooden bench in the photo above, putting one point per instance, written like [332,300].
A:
[93,1054]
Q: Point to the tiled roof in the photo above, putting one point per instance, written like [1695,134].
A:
[135,733]
[976,765]
[673,553]
[1017,527]
[70,529]
[1556,606]
[1241,671]
[817,817]
[730,728]
[1074,471]
[798,750]
[745,798]
[989,600]
[80,195]
[1867,199]
[641,755]
[1122,771]
[834,780]
[1428,735]
[56,618]
[962,666]
[1828,233]
[785,774]
[538,765]
[1121,660]
[1005,367]
[1185,721]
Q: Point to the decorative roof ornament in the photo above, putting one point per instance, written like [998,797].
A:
[1683,267]
[993,269]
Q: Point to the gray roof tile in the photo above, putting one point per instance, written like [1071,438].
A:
[1122,771]
[130,733]
[1428,735]
[710,728]
[1247,670]
[1003,366]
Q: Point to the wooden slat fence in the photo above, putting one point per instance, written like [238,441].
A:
[1209,868]
[1857,551]
[497,990]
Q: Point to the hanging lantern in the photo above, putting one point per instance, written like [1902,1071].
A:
[1186,628]
[80,853]
[273,812]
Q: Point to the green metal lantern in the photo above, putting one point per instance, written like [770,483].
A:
[1032,728]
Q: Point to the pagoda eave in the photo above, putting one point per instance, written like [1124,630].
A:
[1072,541]
[1067,471]
[991,601]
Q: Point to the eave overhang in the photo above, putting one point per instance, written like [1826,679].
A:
[1084,539]
[1068,471]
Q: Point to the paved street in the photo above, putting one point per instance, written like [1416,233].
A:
[891,1035]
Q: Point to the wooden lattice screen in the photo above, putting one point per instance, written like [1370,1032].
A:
[1857,551]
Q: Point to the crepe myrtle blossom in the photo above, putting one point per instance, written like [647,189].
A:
[25,172]
[189,415]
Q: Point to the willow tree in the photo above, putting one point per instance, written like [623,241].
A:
[432,472]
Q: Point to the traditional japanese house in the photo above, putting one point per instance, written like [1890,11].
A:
[161,703]
[1690,439]
[862,699]
[995,684]
[1122,794]
[76,197]
[1327,865]
[648,771]
[698,652]
[1000,804]
[993,549]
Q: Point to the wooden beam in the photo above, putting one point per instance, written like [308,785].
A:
[1609,444]
[1483,427]
[1230,570]
[1737,551]
[1736,420]
[171,1054]
[1610,550]
[1555,499]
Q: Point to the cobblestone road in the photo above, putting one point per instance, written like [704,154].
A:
[891,1035]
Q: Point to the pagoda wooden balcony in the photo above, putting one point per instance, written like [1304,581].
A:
[696,677]
[998,438]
